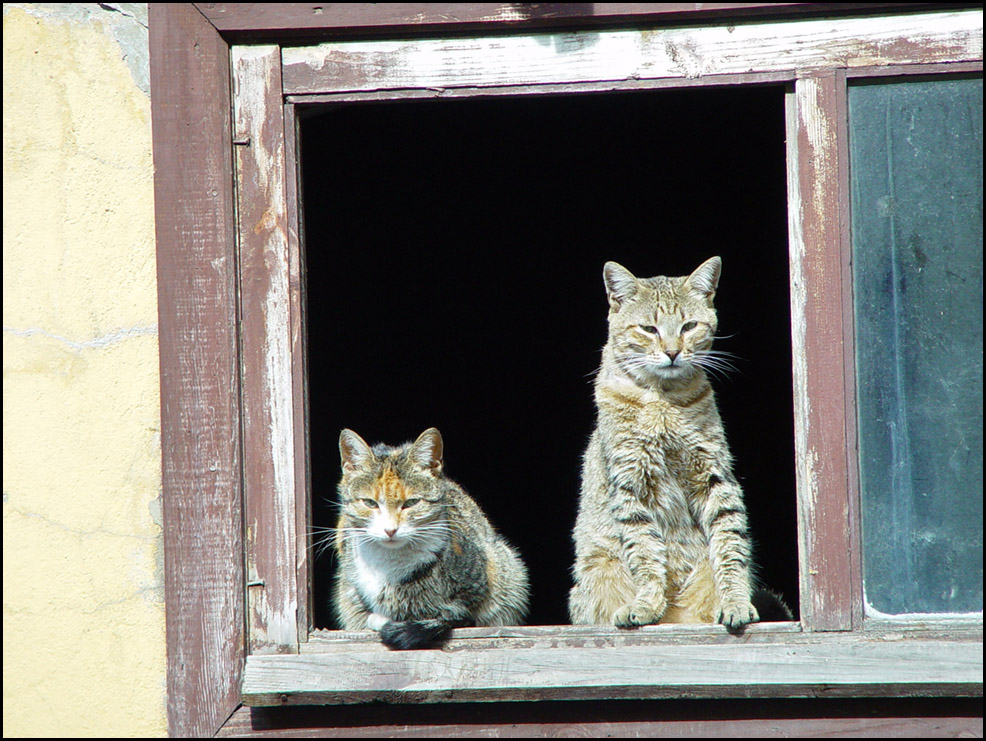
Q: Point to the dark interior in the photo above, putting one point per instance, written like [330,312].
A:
[454,257]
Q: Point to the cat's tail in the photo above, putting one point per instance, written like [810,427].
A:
[771,606]
[415,633]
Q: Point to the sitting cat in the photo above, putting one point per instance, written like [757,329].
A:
[661,534]
[417,557]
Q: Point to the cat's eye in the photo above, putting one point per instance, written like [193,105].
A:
[688,326]
[410,503]
[649,329]
[371,503]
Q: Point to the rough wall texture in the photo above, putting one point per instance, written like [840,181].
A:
[83,608]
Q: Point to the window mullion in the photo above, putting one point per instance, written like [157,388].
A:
[816,206]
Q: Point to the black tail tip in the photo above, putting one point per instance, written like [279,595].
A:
[413,633]
[770,605]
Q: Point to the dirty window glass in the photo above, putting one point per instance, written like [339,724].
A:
[916,155]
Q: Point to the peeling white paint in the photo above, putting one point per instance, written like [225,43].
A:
[805,458]
[679,52]
[253,72]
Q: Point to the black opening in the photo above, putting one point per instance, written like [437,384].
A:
[454,269]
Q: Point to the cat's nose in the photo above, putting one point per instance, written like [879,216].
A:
[672,354]
[390,533]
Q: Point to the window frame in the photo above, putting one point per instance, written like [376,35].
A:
[235,493]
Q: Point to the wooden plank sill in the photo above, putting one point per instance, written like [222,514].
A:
[594,663]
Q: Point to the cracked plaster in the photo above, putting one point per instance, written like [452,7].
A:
[82,546]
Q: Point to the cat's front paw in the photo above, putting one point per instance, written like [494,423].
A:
[638,613]
[375,621]
[737,615]
[413,633]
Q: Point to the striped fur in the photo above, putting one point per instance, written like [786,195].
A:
[417,557]
[661,534]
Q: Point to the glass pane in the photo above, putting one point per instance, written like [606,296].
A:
[916,153]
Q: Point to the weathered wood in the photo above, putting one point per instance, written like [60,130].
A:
[555,636]
[759,718]
[559,89]
[853,536]
[829,665]
[818,335]
[605,86]
[245,19]
[926,628]
[687,53]
[955,68]
[299,369]
[200,422]
[204,577]
[267,345]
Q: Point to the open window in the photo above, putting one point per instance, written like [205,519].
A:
[454,263]
[478,183]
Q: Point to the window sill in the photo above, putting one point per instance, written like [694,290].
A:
[596,663]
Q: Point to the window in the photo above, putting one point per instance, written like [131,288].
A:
[917,191]
[463,242]
[216,384]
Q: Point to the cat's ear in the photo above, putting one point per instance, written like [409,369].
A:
[705,279]
[621,284]
[354,451]
[427,450]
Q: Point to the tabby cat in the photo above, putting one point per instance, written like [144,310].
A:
[661,534]
[417,556]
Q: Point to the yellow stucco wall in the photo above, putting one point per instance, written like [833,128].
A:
[83,607]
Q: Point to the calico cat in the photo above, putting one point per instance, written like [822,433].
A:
[417,556]
[661,534]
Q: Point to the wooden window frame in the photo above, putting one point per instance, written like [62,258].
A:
[233,403]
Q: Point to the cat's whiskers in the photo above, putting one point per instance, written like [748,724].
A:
[428,535]
[717,362]
[594,372]
[324,538]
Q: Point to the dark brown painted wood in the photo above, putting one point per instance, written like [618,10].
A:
[956,68]
[361,19]
[762,78]
[203,547]
[299,369]
[854,534]
[267,351]
[826,528]
[874,718]
[562,89]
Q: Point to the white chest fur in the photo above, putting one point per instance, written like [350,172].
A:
[378,567]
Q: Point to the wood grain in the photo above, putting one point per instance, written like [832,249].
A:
[818,341]
[652,54]
[268,344]
[297,290]
[740,718]
[252,19]
[830,665]
[200,421]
